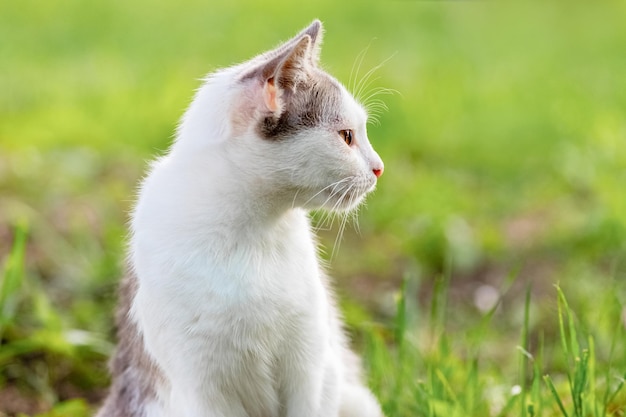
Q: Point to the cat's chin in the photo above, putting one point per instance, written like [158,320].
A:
[346,202]
[345,207]
[343,199]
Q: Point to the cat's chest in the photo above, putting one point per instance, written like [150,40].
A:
[262,287]
[282,273]
[258,298]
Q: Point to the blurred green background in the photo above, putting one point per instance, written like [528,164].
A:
[505,152]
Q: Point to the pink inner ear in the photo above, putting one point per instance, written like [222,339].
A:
[270,95]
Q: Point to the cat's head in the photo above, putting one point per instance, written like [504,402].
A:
[289,128]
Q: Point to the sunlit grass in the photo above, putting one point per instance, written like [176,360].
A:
[447,376]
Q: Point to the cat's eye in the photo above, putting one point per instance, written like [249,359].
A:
[347,135]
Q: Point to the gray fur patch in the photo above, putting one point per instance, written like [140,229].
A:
[315,102]
[135,375]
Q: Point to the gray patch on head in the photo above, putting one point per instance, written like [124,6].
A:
[315,102]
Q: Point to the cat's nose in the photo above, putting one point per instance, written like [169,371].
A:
[376,163]
[377,166]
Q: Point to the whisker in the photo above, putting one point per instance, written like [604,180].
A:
[354,74]
[342,225]
[354,216]
[339,237]
[293,202]
[328,216]
[365,83]
[325,221]
[335,191]
[366,95]
[335,184]
[362,84]
[377,92]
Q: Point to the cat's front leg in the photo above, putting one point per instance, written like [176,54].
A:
[303,392]
[331,390]
[358,401]
[310,381]
[195,358]
[194,402]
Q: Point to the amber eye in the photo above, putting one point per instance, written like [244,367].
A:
[347,136]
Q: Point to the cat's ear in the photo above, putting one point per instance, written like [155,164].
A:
[281,70]
[281,75]
[316,32]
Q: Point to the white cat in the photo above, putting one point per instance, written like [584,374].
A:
[226,311]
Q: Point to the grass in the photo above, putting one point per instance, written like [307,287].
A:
[487,278]
[451,384]
[411,376]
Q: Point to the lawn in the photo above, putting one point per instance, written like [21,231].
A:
[486,275]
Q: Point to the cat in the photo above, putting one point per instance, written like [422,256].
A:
[226,310]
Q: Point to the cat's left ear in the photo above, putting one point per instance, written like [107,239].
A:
[281,70]
[282,75]
[315,31]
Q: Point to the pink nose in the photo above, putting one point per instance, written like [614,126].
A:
[378,172]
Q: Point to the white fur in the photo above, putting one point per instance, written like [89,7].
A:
[232,302]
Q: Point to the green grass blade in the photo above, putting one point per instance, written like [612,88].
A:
[447,387]
[617,390]
[580,382]
[12,277]
[438,306]
[526,356]
[568,348]
[608,398]
[573,346]
[592,375]
[537,394]
[401,316]
[508,406]
[562,333]
[555,394]
[400,333]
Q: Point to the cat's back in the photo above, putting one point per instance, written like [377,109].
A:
[135,375]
